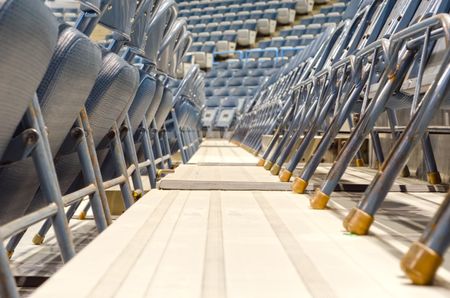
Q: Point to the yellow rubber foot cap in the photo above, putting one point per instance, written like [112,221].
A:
[434,178]
[268,165]
[358,222]
[420,264]
[285,176]
[275,170]
[10,253]
[82,215]
[261,162]
[299,185]
[137,194]
[359,162]
[319,200]
[38,239]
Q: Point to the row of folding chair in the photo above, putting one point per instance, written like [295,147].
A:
[183,124]
[391,56]
[288,41]
[236,8]
[247,64]
[78,119]
[214,3]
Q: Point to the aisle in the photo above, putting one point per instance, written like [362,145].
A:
[245,243]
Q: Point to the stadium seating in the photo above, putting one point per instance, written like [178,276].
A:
[65,85]
[393,49]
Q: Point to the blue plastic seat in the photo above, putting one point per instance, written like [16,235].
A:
[219,82]
[230,17]
[256,14]
[199,28]
[236,25]
[234,82]
[225,73]
[223,26]
[285,32]
[265,63]
[313,29]
[264,44]
[235,64]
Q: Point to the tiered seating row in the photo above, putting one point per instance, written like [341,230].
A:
[229,88]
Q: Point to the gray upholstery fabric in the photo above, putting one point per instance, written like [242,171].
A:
[154,105]
[62,93]
[142,101]
[119,17]
[108,102]
[90,5]
[164,108]
[138,108]
[139,34]
[28,34]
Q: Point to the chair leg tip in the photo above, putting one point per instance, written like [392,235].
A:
[38,239]
[358,222]
[82,215]
[275,170]
[285,176]
[268,165]
[434,178]
[319,200]
[299,185]
[137,194]
[420,264]
[359,162]
[261,163]
[10,253]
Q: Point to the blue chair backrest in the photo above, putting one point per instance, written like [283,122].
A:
[119,17]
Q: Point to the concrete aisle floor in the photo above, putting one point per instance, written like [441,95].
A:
[252,242]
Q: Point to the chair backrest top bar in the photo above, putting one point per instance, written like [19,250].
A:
[139,29]
[118,17]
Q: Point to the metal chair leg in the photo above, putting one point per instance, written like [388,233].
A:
[425,256]
[360,219]
[430,162]
[363,128]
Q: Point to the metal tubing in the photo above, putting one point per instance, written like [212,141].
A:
[148,153]
[167,147]
[15,226]
[333,130]
[8,284]
[121,168]
[389,81]
[413,133]
[95,164]
[89,179]
[157,143]
[49,182]
[131,155]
